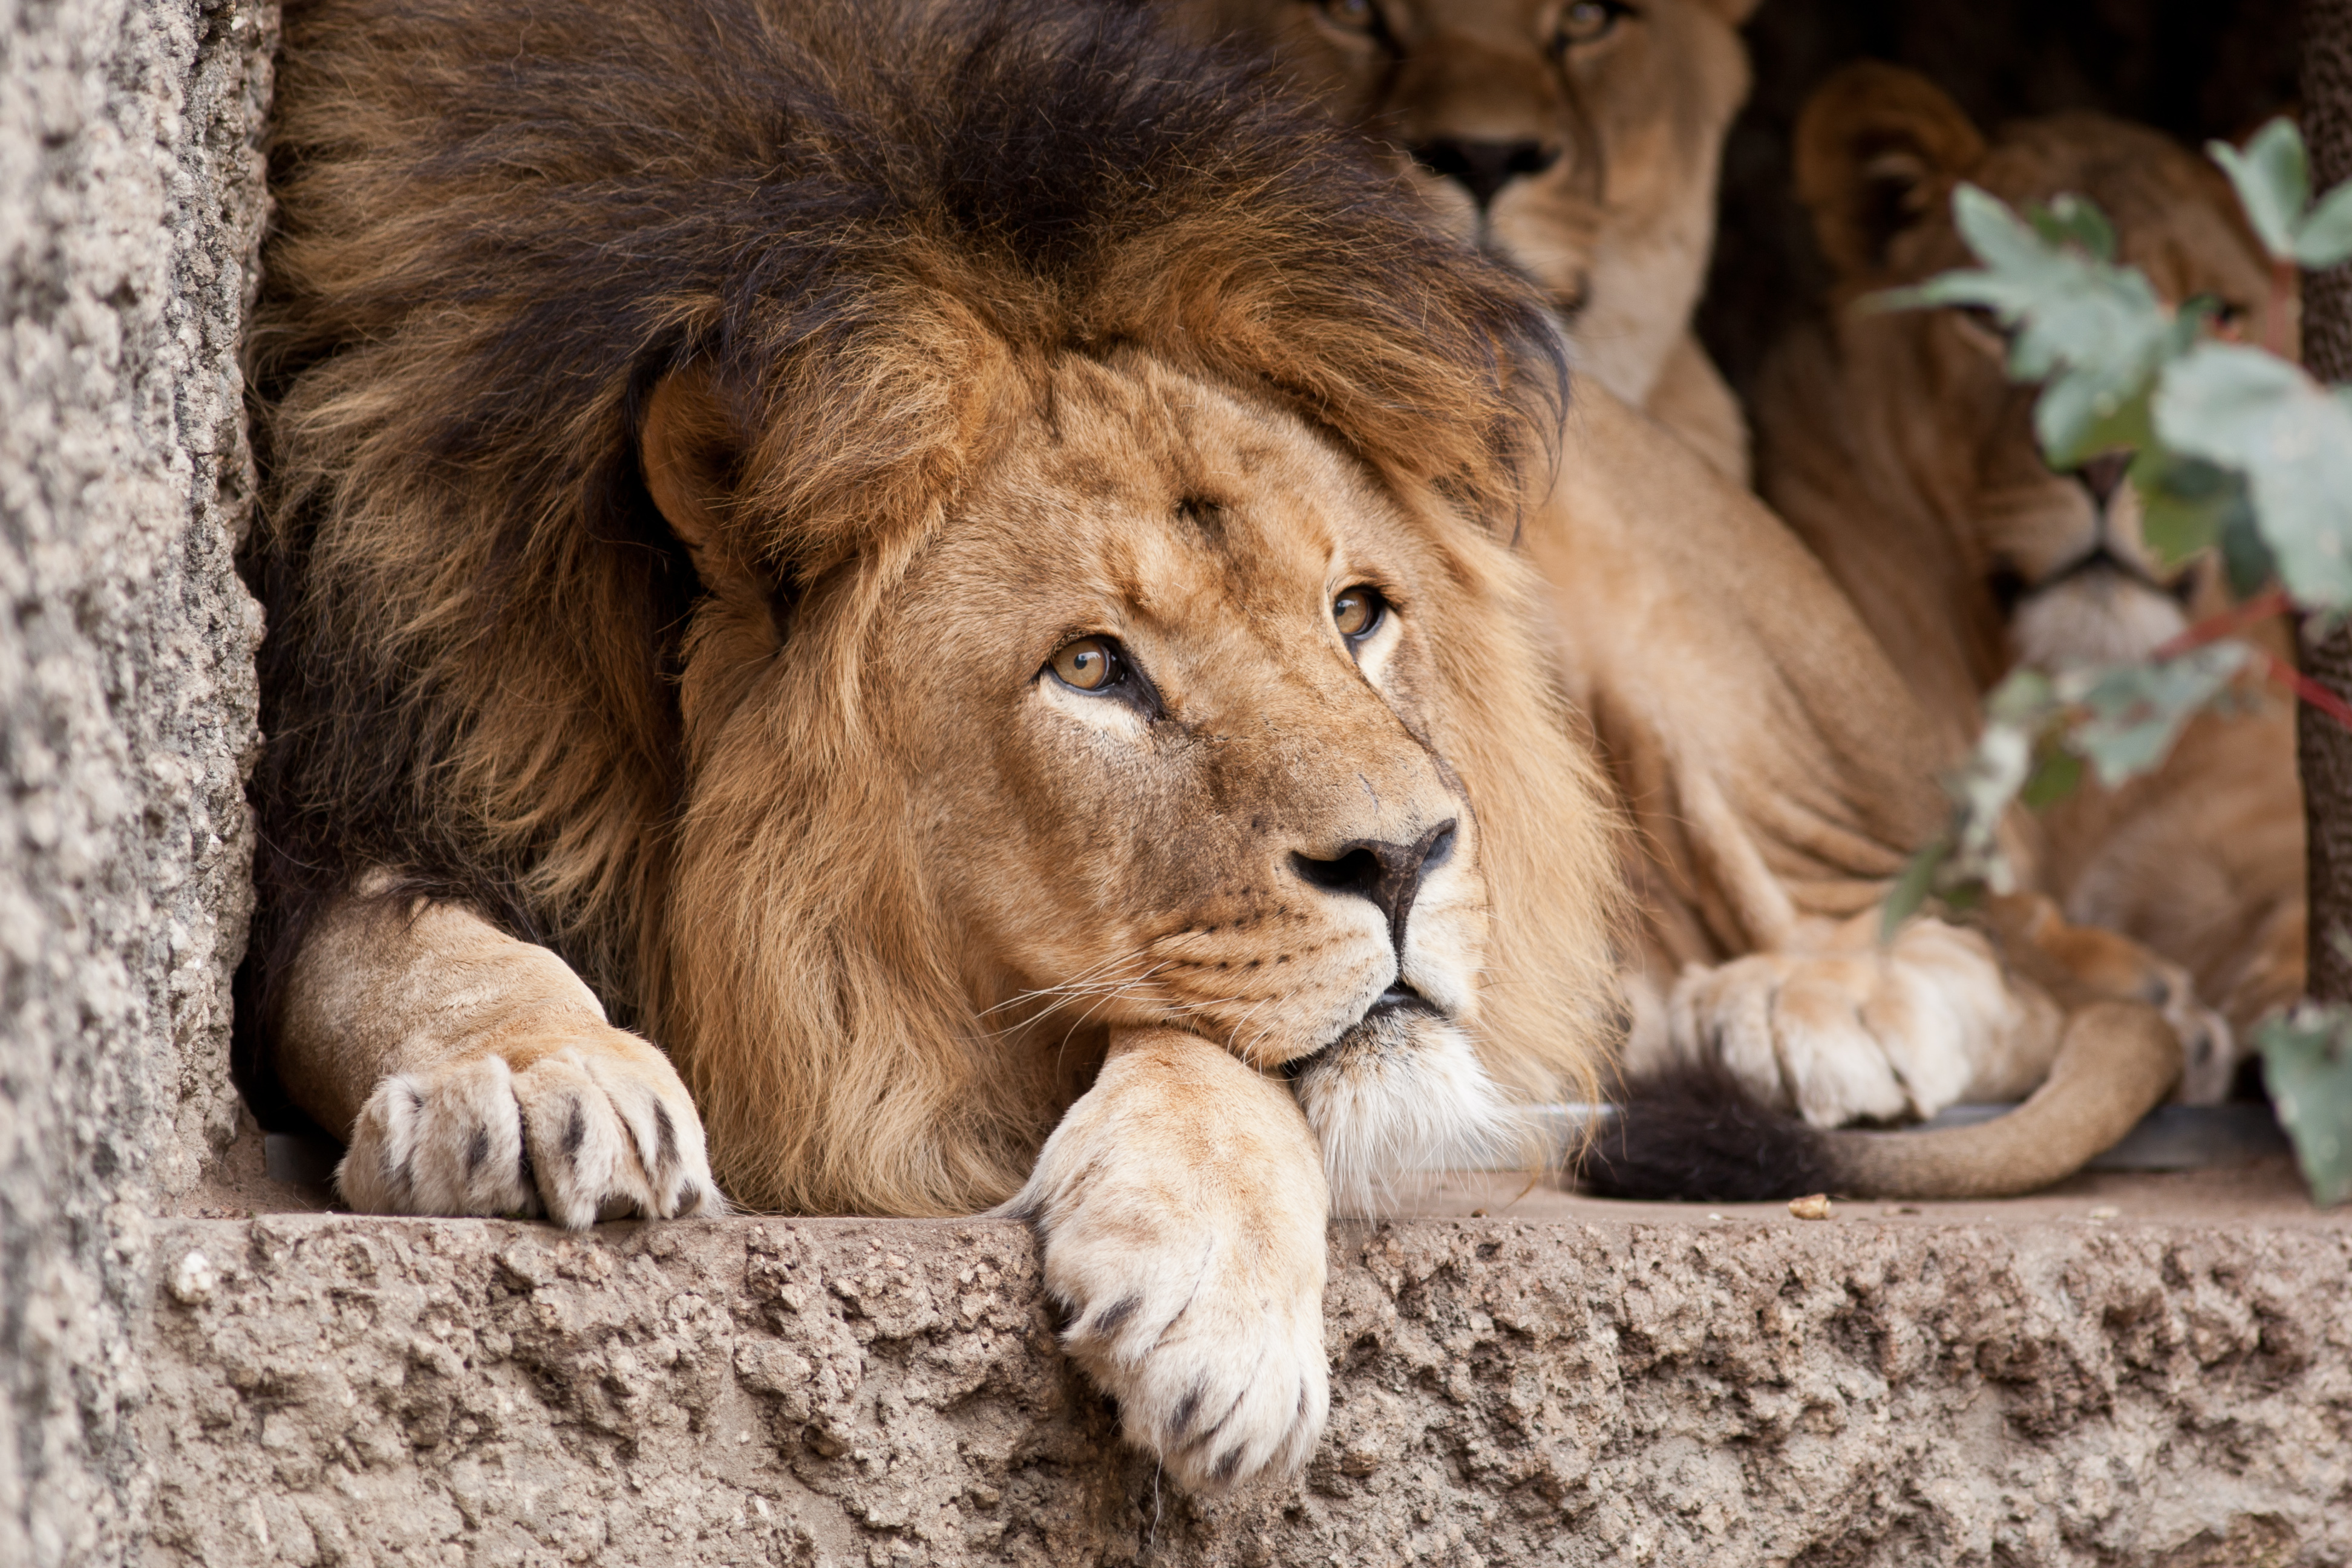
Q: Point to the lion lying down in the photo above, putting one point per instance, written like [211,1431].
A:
[956,568]
[1898,448]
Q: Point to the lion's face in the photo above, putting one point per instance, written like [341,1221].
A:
[1162,727]
[1171,748]
[2061,569]
[1577,138]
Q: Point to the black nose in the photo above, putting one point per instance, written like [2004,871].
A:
[2103,476]
[1388,874]
[1483,168]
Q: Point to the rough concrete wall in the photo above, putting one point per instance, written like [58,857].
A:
[349,1391]
[130,197]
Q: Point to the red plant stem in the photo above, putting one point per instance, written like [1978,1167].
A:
[2310,690]
[2229,623]
[2262,607]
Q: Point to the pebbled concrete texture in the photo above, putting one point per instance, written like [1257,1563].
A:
[130,202]
[338,1390]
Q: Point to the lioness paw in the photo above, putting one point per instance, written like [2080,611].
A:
[594,1127]
[1878,1034]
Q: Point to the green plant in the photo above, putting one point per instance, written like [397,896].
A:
[2234,448]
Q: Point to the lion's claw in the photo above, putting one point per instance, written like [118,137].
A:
[583,1129]
[1217,1371]
[1180,1204]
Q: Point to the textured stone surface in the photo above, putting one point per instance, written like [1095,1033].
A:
[130,197]
[330,1389]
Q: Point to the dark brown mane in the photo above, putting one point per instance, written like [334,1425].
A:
[502,221]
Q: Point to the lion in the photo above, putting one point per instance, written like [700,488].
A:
[1896,444]
[999,592]
[1582,141]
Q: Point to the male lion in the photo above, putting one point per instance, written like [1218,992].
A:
[1895,442]
[954,566]
[1577,139]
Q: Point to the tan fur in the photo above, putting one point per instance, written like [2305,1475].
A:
[1896,444]
[1619,227]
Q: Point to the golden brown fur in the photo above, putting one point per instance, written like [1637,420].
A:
[1599,127]
[1896,445]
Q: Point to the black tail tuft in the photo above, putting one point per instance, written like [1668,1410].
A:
[1693,1132]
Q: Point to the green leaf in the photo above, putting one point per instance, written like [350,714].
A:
[2256,413]
[2186,503]
[2069,219]
[2307,1067]
[2136,712]
[2094,333]
[2246,557]
[2325,237]
[2057,775]
[2024,699]
[1911,889]
[2274,182]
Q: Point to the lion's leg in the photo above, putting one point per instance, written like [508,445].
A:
[471,1073]
[1181,1207]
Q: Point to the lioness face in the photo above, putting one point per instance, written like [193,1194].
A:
[1210,795]
[2066,575]
[1577,138]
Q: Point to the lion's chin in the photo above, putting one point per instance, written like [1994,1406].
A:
[1401,1093]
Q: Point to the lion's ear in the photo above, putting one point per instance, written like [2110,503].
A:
[691,450]
[1876,147]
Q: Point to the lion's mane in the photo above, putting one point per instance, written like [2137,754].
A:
[501,222]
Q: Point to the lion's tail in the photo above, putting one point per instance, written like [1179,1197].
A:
[1695,1134]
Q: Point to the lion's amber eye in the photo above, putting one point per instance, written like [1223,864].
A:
[1089,664]
[1588,21]
[1356,16]
[1356,612]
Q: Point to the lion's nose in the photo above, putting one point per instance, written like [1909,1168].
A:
[1483,168]
[1389,875]
[2102,476]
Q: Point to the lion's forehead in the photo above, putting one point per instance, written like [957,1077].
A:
[1168,495]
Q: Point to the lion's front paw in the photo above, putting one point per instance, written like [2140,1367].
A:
[1181,1205]
[1213,1348]
[1879,1034]
[593,1125]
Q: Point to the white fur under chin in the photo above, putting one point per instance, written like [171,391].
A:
[1399,1096]
[2098,618]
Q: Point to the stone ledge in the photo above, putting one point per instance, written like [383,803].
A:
[1606,1390]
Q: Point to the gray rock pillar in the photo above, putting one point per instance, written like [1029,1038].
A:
[131,201]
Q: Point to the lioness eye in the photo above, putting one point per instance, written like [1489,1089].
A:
[1356,612]
[1588,21]
[1356,16]
[1089,664]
